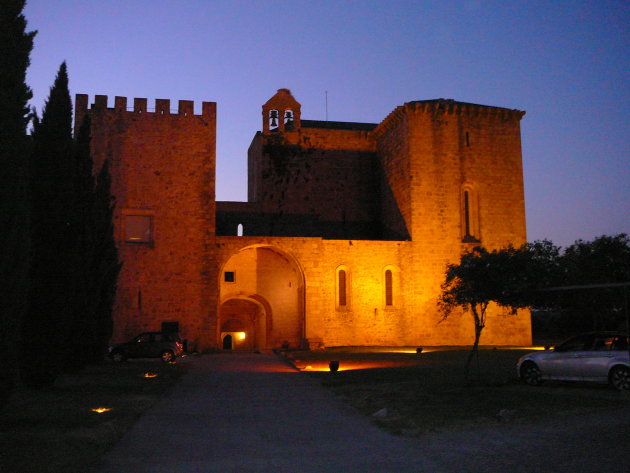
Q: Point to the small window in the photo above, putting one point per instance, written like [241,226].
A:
[342,288]
[229,276]
[239,230]
[389,288]
[139,228]
[470,215]
[467,214]
[343,285]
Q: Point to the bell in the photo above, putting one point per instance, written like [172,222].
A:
[288,116]
[274,117]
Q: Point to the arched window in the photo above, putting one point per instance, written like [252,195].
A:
[389,287]
[391,293]
[342,288]
[239,230]
[470,215]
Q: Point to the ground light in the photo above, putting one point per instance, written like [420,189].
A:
[323,364]
[101,410]
[150,374]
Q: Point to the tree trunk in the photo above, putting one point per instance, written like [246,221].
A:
[474,352]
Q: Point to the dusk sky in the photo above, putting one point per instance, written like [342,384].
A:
[566,63]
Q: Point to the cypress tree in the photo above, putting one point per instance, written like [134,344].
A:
[98,256]
[106,265]
[15,48]
[51,312]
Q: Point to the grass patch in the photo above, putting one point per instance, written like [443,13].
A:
[54,429]
[431,394]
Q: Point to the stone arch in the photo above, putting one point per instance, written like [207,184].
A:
[244,318]
[265,294]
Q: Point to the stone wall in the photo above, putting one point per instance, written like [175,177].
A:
[412,320]
[434,179]
[162,166]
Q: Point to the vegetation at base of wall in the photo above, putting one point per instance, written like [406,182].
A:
[55,430]
[14,200]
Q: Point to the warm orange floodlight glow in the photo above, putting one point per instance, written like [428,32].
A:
[149,374]
[240,335]
[100,410]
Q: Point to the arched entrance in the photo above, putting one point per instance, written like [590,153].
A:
[262,299]
[242,324]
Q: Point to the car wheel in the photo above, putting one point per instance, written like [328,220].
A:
[118,356]
[620,378]
[168,356]
[530,374]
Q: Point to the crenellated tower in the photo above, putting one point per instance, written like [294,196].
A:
[162,165]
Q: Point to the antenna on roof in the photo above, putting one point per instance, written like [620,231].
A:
[326,105]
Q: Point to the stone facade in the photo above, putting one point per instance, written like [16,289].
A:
[345,236]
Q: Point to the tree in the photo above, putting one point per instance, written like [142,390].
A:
[15,48]
[98,264]
[107,266]
[481,278]
[604,260]
[53,235]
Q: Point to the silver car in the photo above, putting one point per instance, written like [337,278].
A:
[600,357]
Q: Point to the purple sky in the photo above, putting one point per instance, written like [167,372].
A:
[566,63]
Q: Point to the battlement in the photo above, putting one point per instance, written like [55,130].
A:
[450,106]
[162,106]
[438,107]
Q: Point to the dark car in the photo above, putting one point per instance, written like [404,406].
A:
[164,345]
[600,357]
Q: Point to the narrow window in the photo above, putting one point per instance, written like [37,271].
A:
[389,290]
[342,288]
[239,230]
[467,214]
[229,276]
[467,140]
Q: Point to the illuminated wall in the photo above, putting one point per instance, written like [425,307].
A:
[346,235]
[162,164]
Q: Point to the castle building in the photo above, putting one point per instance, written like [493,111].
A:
[345,236]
